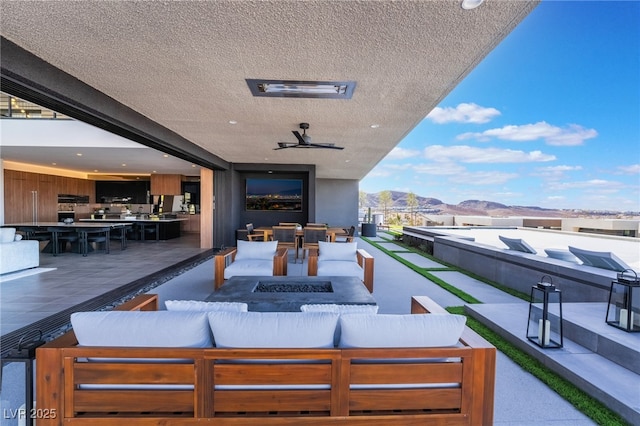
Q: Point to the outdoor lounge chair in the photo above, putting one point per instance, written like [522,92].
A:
[341,259]
[248,259]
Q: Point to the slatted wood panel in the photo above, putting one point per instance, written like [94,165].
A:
[272,400]
[162,399]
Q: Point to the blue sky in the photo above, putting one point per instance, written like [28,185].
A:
[549,118]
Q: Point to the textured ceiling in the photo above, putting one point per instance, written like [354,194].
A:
[184,65]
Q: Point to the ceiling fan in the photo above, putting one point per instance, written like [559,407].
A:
[304,141]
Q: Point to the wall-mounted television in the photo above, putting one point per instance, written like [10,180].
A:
[265,194]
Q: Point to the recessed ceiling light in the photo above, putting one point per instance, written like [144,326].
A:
[233,122]
[374,126]
[302,89]
[193,165]
[79,154]
[124,165]
[95,170]
[166,155]
[54,164]
[154,171]
[471,4]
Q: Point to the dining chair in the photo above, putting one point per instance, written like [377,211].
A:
[286,237]
[60,238]
[311,236]
[348,238]
[94,235]
[252,235]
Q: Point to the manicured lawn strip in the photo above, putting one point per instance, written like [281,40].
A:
[586,404]
[461,294]
[524,296]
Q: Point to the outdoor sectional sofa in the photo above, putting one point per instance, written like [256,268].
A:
[231,383]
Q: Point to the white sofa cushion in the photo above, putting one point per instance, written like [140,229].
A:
[142,329]
[337,251]
[249,267]
[264,250]
[273,329]
[200,306]
[338,268]
[7,235]
[400,331]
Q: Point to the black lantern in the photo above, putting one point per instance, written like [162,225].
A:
[545,315]
[623,310]
[25,353]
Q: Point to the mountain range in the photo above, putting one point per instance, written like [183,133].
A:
[472,207]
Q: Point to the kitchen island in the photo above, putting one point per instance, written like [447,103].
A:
[162,229]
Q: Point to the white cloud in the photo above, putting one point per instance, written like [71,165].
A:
[633,169]
[483,178]
[401,154]
[571,135]
[463,113]
[555,172]
[439,168]
[592,185]
[469,154]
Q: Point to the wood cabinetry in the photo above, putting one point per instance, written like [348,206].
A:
[29,197]
[166,184]
[191,225]
[34,196]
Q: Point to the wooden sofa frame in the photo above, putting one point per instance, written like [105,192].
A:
[227,256]
[232,387]
[365,260]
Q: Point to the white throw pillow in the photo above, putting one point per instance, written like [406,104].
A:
[7,235]
[400,331]
[340,309]
[337,251]
[256,250]
[142,328]
[199,306]
[18,237]
[273,329]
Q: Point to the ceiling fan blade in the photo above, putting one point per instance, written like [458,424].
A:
[298,136]
[284,145]
[325,145]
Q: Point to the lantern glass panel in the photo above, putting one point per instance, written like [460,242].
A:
[623,310]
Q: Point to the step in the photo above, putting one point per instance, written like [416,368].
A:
[593,372]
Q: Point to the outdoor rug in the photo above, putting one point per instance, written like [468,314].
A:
[21,274]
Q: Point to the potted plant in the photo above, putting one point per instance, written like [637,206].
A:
[369,228]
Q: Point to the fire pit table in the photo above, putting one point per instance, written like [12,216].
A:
[287,294]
